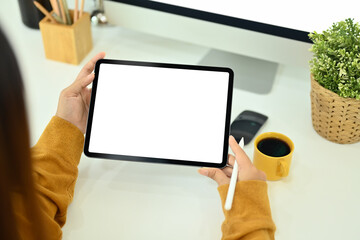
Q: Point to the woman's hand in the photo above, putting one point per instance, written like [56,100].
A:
[74,100]
[247,171]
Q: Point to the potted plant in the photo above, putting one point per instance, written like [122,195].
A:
[335,82]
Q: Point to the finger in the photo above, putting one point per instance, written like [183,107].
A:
[87,80]
[216,174]
[89,67]
[231,160]
[87,96]
[262,175]
[78,86]
[228,171]
[240,155]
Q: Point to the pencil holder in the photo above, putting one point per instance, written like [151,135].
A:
[67,43]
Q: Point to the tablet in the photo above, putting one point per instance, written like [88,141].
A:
[159,113]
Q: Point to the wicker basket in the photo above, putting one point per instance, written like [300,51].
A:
[334,118]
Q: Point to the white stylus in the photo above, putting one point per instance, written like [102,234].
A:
[233,180]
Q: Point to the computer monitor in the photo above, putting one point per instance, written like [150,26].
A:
[251,37]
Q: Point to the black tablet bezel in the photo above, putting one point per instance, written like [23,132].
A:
[160,160]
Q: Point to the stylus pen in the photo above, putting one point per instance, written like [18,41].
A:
[233,180]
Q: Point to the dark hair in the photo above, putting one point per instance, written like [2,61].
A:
[16,181]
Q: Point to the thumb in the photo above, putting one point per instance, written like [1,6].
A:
[77,86]
[87,96]
[87,80]
[216,174]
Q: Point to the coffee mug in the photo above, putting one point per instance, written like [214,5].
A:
[272,154]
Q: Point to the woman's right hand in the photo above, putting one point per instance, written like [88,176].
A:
[247,171]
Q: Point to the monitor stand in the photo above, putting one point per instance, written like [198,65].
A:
[250,74]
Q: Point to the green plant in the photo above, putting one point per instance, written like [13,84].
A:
[336,61]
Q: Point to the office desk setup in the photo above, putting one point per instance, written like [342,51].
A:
[128,200]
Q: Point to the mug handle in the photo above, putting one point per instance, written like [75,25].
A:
[283,169]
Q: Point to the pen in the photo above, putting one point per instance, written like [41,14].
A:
[233,180]
[44,11]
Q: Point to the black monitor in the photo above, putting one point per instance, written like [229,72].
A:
[251,37]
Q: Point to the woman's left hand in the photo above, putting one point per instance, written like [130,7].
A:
[247,171]
[74,100]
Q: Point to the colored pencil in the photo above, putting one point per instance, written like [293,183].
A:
[67,13]
[44,11]
[81,8]
[76,11]
[62,11]
[55,7]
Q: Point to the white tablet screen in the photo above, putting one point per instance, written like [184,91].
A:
[159,112]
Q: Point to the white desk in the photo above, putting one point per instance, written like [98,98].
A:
[123,200]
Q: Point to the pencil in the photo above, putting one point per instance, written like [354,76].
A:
[81,8]
[233,180]
[55,7]
[57,18]
[76,11]
[62,11]
[67,13]
[44,11]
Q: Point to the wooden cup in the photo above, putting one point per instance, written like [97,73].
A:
[67,43]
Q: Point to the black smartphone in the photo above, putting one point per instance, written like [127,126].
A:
[246,125]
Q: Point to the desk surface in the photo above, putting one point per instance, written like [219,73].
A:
[123,200]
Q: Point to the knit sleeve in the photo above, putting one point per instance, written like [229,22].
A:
[55,158]
[250,215]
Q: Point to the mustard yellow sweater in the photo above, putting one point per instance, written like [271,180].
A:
[56,157]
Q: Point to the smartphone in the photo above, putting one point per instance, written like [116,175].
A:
[246,125]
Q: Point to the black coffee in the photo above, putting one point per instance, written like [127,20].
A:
[273,147]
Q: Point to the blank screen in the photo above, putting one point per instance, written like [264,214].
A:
[159,112]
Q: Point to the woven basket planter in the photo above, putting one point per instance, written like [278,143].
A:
[335,118]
